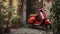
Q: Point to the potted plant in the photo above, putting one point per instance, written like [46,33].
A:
[15,21]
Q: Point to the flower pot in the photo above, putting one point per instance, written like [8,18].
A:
[16,26]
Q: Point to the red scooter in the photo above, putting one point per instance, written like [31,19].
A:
[40,20]
[36,22]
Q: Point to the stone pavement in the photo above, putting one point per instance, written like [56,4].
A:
[27,31]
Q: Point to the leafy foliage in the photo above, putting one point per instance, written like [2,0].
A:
[15,19]
[1,5]
[1,15]
[56,14]
[8,9]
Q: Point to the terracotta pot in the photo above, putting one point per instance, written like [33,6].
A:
[16,26]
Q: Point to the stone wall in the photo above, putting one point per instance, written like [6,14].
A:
[46,6]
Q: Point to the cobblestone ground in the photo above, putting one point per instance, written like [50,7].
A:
[27,31]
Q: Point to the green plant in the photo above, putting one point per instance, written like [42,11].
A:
[15,19]
[55,10]
[1,15]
